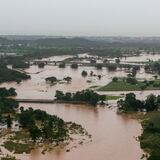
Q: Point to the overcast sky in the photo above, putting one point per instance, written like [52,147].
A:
[80,17]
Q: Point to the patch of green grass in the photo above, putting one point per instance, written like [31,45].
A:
[21,135]
[121,85]
[111,97]
[18,148]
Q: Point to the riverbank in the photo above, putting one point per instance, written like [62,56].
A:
[103,124]
[121,85]
[150,138]
[45,132]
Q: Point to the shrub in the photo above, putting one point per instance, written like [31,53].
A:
[114,79]
[84,73]
[51,79]
[131,80]
[111,67]
[99,66]
[41,65]
[74,65]
[62,65]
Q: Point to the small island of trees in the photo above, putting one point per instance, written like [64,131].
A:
[74,65]
[130,103]
[54,80]
[62,65]
[36,127]
[84,96]
[84,73]
[51,79]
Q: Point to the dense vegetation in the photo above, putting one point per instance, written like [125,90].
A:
[54,80]
[130,103]
[150,139]
[67,79]
[38,47]
[7,92]
[74,65]
[153,67]
[62,65]
[51,79]
[35,126]
[42,125]
[111,67]
[7,75]
[85,96]
[21,64]
[7,105]
[84,73]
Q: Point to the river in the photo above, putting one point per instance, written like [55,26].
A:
[113,135]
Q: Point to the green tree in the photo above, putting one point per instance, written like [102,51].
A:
[68,79]
[117,60]
[26,119]
[62,65]
[99,77]
[84,73]
[74,65]
[9,121]
[151,103]
[51,79]
[41,65]
[59,95]
[114,79]
[99,66]
[35,132]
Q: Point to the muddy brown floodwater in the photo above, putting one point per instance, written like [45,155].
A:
[37,87]
[113,135]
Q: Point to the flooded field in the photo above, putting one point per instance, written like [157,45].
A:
[111,133]
[144,57]
[37,87]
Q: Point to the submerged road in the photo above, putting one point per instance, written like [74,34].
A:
[35,100]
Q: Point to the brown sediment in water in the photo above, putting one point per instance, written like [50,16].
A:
[113,135]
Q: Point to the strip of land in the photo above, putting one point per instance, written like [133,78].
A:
[122,85]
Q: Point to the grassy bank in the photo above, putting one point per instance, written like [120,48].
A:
[121,85]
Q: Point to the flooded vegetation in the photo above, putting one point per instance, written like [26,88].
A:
[69,102]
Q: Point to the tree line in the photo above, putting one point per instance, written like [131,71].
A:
[131,103]
[87,96]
